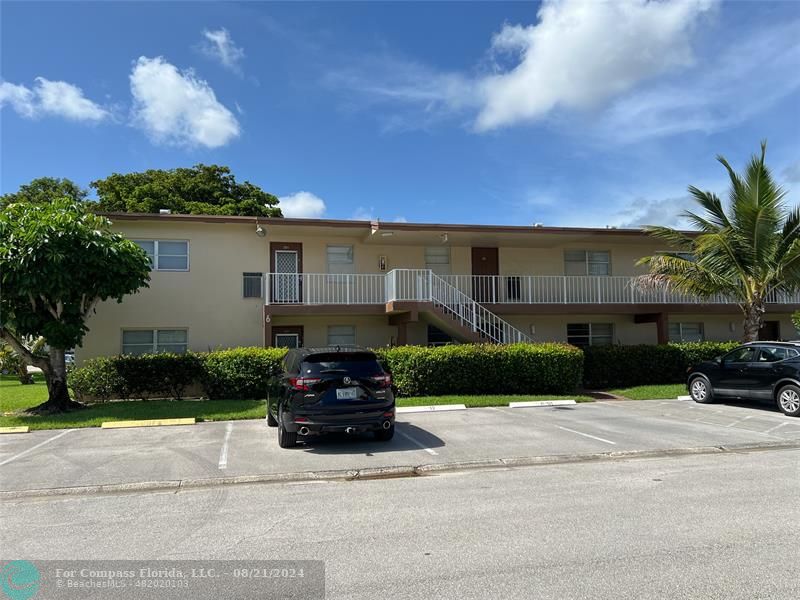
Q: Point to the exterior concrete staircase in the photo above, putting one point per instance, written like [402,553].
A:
[449,308]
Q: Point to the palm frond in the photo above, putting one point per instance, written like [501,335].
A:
[713,206]
[673,237]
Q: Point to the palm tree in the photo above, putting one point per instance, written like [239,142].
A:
[747,254]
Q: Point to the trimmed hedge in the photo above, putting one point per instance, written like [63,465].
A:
[238,373]
[625,366]
[242,373]
[484,369]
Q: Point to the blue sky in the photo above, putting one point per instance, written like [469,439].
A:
[575,112]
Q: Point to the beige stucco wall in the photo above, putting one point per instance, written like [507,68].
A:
[207,300]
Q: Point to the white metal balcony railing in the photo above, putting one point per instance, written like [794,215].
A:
[416,285]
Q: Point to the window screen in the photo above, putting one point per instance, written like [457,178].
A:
[340,259]
[251,285]
[590,334]
[151,341]
[585,262]
[686,332]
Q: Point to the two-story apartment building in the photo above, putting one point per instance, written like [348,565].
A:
[221,281]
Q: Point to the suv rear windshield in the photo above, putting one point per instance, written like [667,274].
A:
[359,364]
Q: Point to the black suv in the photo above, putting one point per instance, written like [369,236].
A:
[757,370]
[342,389]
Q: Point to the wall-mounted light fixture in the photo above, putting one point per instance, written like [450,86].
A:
[260,231]
[382,263]
[444,238]
[731,326]
[533,329]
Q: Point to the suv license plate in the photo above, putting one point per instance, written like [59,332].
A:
[350,393]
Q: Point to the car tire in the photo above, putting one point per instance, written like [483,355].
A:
[789,400]
[384,435]
[286,439]
[700,390]
[271,421]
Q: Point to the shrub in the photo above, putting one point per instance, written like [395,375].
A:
[158,375]
[624,366]
[240,372]
[98,378]
[484,369]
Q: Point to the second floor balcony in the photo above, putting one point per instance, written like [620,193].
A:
[422,285]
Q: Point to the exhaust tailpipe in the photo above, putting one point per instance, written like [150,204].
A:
[303,431]
[387,424]
[350,430]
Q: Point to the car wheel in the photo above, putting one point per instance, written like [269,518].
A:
[789,400]
[271,421]
[700,390]
[286,439]
[384,435]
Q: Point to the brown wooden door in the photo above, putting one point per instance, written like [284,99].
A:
[485,263]
[770,330]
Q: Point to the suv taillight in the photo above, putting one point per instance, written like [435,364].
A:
[382,380]
[303,383]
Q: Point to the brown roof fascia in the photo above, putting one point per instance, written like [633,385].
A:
[375,225]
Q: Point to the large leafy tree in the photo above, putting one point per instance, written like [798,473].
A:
[57,261]
[749,253]
[200,190]
[44,190]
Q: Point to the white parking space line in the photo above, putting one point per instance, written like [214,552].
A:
[223,453]
[39,445]
[594,437]
[739,421]
[776,427]
[417,443]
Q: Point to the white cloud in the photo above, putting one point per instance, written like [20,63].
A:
[666,211]
[55,98]
[302,205]
[177,108]
[580,54]
[716,97]
[20,98]
[368,214]
[792,172]
[219,45]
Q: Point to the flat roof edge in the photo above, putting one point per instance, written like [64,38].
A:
[385,225]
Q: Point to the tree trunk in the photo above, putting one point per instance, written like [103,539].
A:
[753,314]
[54,369]
[55,375]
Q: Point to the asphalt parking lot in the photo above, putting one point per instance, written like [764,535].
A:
[84,457]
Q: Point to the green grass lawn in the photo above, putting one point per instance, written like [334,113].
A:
[15,397]
[652,392]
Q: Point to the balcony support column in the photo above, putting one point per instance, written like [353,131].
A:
[662,324]
[266,328]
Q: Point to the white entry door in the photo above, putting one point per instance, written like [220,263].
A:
[286,284]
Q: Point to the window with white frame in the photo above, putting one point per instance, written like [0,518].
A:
[590,334]
[287,340]
[437,259]
[340,259]
[154,341]
[587,262]
[252,285]
[341,335]
[166,255]
[686,332]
